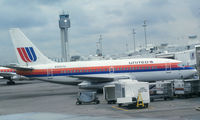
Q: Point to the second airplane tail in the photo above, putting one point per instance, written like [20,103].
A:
[27,53]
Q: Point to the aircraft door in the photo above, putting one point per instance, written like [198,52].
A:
[50,73]
[111,69]
[168,67]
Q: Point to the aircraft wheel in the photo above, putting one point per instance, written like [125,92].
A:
[10,83]
[78,103]
[119,105]
[97,101]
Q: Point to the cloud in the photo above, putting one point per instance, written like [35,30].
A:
[114,19]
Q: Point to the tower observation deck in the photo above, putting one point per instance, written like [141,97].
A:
[64,24]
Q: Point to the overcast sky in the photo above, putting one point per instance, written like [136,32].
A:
[168,21]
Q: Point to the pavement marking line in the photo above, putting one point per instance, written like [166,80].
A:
[119,108]
[151,107]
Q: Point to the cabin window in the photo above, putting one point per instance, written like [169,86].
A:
[127,68]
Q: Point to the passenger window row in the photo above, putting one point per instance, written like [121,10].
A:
[106,69]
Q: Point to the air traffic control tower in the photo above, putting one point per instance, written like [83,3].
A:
[64,24]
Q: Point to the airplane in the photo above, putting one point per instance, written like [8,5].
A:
[93,74]
[9,74]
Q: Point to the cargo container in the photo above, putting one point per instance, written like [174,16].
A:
[162,90]
[109,94]
[186,88]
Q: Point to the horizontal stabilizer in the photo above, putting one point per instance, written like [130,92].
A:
[19,68]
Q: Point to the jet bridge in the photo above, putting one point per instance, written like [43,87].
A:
[197,51]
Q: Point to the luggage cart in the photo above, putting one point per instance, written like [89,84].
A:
[86,97]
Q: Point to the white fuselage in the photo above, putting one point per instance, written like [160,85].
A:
[146,69]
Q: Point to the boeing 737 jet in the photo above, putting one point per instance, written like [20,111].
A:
[94,74]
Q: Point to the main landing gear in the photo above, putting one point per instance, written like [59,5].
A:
[10,82]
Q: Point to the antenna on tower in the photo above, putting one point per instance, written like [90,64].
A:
[145,35]
[127,50]
[99,46]
[134,39]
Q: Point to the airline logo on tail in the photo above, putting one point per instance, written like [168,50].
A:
[27,54]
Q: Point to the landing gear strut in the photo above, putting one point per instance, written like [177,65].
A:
[10,82]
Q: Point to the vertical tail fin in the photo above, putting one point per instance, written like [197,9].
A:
[27,53]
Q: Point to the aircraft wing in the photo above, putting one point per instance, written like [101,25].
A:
[101,78]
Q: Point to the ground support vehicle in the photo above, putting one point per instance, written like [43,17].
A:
[87,97]
[132,94]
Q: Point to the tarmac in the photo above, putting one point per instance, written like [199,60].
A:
[36,99]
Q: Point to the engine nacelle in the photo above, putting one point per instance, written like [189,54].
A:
[16,77]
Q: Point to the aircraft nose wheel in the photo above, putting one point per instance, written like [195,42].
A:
[10,83]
